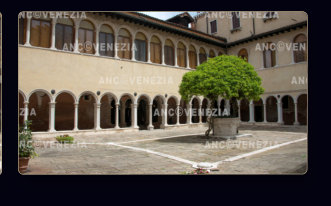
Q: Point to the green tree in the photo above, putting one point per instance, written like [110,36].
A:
[224,76]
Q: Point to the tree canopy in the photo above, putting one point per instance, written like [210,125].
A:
[225,76]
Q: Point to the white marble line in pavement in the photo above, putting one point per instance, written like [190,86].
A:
[230,159]
[156,153]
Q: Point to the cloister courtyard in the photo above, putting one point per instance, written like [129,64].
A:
[257,150]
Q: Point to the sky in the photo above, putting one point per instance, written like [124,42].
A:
[166,15]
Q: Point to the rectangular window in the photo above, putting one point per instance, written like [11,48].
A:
[22,30]
[181,57]
[140,53]
[40,33]
[64,37]
[85,40]
[269,58]
[106,44]
[156,53]
[202,58]
[269,14]
[193,59]
[213,26]
[123,47]
[169,55]
[235,20]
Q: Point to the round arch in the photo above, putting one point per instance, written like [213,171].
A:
[41,90]
[64,111]
[66,91]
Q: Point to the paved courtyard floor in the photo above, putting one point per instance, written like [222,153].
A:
[260,150]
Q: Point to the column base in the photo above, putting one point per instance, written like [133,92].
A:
[51,130]
[75,129]
[296,123]
[116,127]
[150,127]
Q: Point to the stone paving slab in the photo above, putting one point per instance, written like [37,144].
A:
[200,149]
[290,159]
[101,158]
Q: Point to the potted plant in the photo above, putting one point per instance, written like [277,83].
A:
[65,139]
[222,76]
[26,147]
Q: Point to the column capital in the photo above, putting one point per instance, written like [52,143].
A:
[52,104]
[26,103]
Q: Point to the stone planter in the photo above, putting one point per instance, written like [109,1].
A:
[226,127]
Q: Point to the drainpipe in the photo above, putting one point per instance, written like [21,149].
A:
[253,25]
[207,24]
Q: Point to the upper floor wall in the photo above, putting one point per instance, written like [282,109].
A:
[239,25]
[102,35]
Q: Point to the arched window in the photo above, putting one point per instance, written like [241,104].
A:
[140,47]
[269,55]
[181,55]
[169,53]
[299,48]
[211,54]
[192,57]
[86,37]
[124,44]
[156,50]
[64,34]
[106,41]
[22,30]
[40,35]
[243,54]
[202,55]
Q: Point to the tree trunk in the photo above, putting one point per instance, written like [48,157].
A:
[210,121]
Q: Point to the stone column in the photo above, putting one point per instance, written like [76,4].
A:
[133,52]
[239,116]
[200,113]
[219,112]
[198,62]
[150,114]
[26,111]
[163,57]
[251,112]
[280,111]
[53,34]
[76,117]
[165,114]
[76,50]
[227,106]
[177,113]
[149,52]
[264,112]
[28,29]
[189,116]
[134,115]
[51,117]
[116,116]
[97,116]
[187,59]
[97,42]
[176,65]
[115,46]
[296,122]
